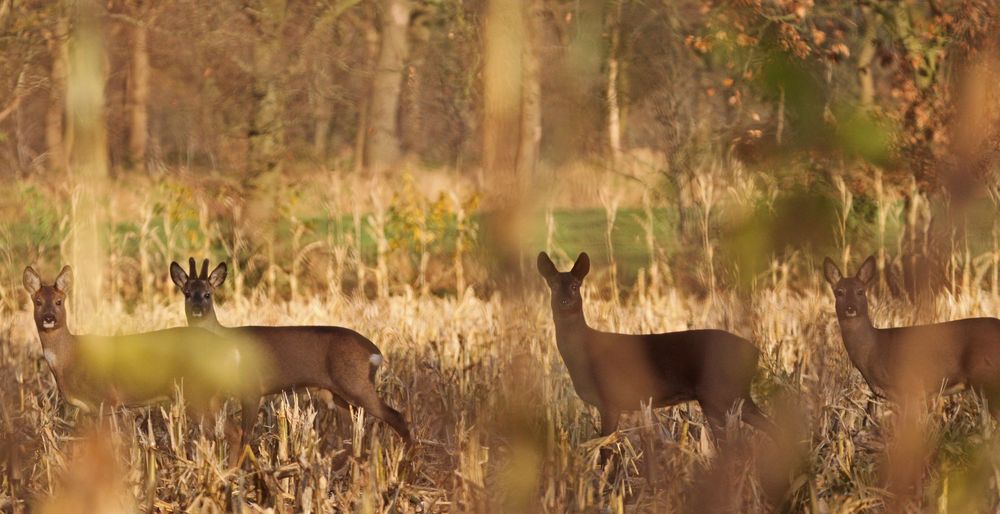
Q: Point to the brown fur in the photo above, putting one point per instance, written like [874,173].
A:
[334,359]
[913,362]
[619,372]
[114,379]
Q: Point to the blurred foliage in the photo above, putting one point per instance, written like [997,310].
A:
[209,366]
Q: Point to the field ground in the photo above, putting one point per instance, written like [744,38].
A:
[498,423]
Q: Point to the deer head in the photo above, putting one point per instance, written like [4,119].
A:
[850,293]
[198,289]
[565,286]
[49,300]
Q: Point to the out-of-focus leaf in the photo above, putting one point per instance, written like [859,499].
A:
[861,135]
[145,366]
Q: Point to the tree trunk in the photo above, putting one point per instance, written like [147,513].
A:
[23,149]
[89,160]
[267,131]
[138,98]
[364,112]
[503,88]
[866,55]
[54,130]
[531,93]
[614,112]
[382,147]
[321,127]
[411,120]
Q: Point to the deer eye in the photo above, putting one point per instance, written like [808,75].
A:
[860,292]
[38,303]
[58,302]
[208,295]
[839,292]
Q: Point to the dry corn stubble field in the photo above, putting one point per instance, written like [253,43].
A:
[496,419]
[395,165]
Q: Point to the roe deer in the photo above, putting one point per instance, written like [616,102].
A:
[618,372]
[128,370]
[906,362]
[335,359]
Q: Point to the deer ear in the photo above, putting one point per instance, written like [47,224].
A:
[831,272]
[867,270]
[64,281]
[32,282]
[218,275]
[582,266]
[545,266]
[177,275]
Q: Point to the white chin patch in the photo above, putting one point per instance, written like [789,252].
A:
[197,314]
[48,324]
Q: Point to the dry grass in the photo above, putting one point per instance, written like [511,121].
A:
[475,369]
[497,421]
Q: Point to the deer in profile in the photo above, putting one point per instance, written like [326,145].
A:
[128,370]
[335,359]
[619,372]
[903,364]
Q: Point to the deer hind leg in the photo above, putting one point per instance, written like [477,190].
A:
[992,397]
[716,422]
[753,416]
[365,396]
[339,408]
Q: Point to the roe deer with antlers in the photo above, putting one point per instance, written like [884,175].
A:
[906,363]
[335,359]
[619,372]
[129,370]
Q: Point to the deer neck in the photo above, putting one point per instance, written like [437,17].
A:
[569,325]
[571,337]
[860,338]
[208,322]
[572,334]
[58,348]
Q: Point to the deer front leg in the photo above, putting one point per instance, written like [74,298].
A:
[248,419]
[609,425]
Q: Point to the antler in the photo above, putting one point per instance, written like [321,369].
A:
[193,267]
[204,270]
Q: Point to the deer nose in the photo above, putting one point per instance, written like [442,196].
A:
[851,311]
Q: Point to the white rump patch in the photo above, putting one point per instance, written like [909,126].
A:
[375,359]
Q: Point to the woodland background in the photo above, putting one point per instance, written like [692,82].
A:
[396,165]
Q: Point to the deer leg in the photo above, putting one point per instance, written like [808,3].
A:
[753,416]
[716,416]
[368,399]
[339,409]
[248,419]
[609,420]
[609,425]
[870,407]
[992,397]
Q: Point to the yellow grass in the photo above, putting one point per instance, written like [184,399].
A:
[497,422]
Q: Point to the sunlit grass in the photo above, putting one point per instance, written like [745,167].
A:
[487,396]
